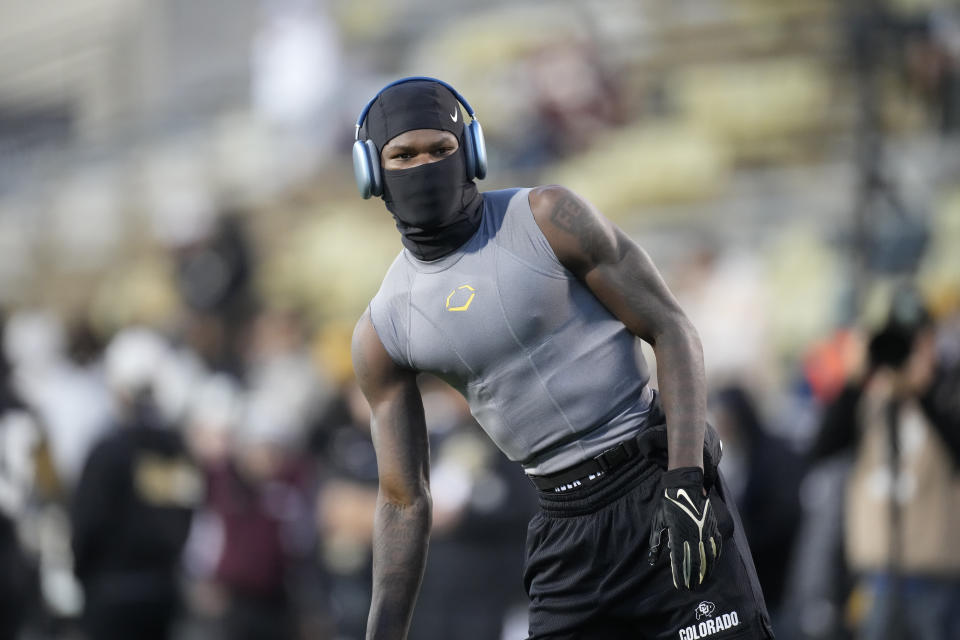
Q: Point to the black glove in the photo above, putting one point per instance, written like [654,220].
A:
[691,525]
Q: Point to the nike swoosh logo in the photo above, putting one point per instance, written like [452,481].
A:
[698,518]
[453,116]
[683,494]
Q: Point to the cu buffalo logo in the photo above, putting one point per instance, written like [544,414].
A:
[705,610]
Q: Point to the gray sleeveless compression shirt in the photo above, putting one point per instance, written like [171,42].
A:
[551,375]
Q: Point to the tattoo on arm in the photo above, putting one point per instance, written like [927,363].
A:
[399,557]
[570,215]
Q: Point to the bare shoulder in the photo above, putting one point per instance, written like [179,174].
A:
[546,196]
[374,368]
[555,204]
[580,235]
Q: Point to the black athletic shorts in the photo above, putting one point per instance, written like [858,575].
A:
[588,576]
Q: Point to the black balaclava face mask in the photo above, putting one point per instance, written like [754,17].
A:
[434,205]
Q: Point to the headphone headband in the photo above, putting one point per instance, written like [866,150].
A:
[456,94]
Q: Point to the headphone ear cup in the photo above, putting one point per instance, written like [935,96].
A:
[477,151]
[361,169]
[376,173]
[469,154]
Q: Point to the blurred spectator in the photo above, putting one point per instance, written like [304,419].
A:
[58,373]
[819,583]
[260,496]
[215,276]
[283,378]
[904,491]
[21,441]
[346,506]
[763,474]
[132,507]
[213,417]
[818,587]
[942,401]
[18,586]
[831,363]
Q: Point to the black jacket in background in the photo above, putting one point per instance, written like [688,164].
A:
[131,512]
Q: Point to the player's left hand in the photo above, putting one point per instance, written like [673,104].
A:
[690,522]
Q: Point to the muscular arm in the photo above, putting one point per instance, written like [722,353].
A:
[402,519]
[622,276]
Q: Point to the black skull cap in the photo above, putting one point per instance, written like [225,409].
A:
[419,104]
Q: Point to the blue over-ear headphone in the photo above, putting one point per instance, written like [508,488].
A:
[366,157]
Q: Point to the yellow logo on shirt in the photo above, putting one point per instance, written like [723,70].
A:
[462,296]
[167,482]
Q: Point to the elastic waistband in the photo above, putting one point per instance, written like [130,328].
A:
[598,493]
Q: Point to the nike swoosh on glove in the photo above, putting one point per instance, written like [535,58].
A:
[690,521]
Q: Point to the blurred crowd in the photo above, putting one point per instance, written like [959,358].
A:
[165,485]
[185,453]
[177,482]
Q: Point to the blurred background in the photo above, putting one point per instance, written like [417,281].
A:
[183,256]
